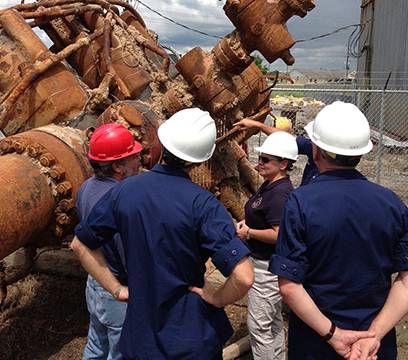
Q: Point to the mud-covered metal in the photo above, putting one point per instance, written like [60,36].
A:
[105,65]
[41,172]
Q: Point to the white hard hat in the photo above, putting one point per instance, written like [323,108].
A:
[280,144]
[341,128]
[189,134]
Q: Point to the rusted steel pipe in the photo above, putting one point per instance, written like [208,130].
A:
[54,96]
[41,172]
[262,25]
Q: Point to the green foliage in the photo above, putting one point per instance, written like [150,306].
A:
[259,62]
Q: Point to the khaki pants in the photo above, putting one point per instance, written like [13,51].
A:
[265,322]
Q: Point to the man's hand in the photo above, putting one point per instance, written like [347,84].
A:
[365,349]
[245,124]
[207,293]
[242,230]
[123,294]
[343,340]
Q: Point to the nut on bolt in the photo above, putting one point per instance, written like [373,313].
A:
[47,159]
[57,172]
[34,150]
[65,205]
[64,188]
[63,219]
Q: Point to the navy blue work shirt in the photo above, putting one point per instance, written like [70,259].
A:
[305,148]
[170,227]
[88,195]
[264,210]
[341,237]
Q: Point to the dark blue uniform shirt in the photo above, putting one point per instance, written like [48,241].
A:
[311,170]
[170,227]
[341,237]
[88,195]
[264,210]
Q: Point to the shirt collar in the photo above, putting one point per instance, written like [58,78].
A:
[351,174]
[269,185]
[107,179]
[169,170]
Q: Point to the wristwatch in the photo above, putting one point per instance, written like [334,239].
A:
[330,334]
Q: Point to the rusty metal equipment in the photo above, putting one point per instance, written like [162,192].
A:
[105,65]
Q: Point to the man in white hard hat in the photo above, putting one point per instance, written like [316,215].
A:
[340,239]
[170,227]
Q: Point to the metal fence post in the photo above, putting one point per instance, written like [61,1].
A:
[380,141]
[381,135]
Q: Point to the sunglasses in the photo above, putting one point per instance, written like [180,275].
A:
[265,159]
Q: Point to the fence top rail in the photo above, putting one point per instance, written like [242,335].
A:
[386,91]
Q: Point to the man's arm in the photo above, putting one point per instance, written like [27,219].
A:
[233,289]
[393,310]
[304,307]
[252,124]
[94,263]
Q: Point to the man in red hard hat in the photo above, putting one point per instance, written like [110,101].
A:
[114,155]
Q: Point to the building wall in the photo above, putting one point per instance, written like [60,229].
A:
[385,39]
[385,44]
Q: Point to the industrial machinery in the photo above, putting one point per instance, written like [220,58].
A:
[105,65]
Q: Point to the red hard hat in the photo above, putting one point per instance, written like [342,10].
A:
[112,142]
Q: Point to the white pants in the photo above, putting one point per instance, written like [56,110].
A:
[265,322]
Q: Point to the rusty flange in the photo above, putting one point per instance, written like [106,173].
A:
[42,172]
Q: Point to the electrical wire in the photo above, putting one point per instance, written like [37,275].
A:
[328,34]
[178,23]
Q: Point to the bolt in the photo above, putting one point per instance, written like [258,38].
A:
[64,188]
[47,159]
[63,219]
[34,150]
[65,205]
[19,146]
[6,146]
[57,172]
[59,231]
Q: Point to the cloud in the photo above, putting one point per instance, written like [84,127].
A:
[208,16]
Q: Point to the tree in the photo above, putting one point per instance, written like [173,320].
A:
[259,62]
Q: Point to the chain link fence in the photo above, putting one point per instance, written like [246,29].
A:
[386,111]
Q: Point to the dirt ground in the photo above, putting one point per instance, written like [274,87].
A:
[45,317]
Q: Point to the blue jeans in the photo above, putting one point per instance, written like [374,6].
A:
[105,324]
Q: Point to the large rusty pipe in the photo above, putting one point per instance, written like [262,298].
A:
[26,202]
[41,172]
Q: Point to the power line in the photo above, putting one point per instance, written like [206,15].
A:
[328,34]
[178,23]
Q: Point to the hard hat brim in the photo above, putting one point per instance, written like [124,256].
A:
[336,150]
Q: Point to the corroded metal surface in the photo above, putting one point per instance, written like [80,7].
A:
[262,25]
[118,71]
[56,96]
[42,170]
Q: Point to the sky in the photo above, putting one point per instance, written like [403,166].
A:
[208,16]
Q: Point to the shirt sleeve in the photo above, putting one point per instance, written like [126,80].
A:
[100,226]
[401,253]
[304,146]
[290,260]
[217,234]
